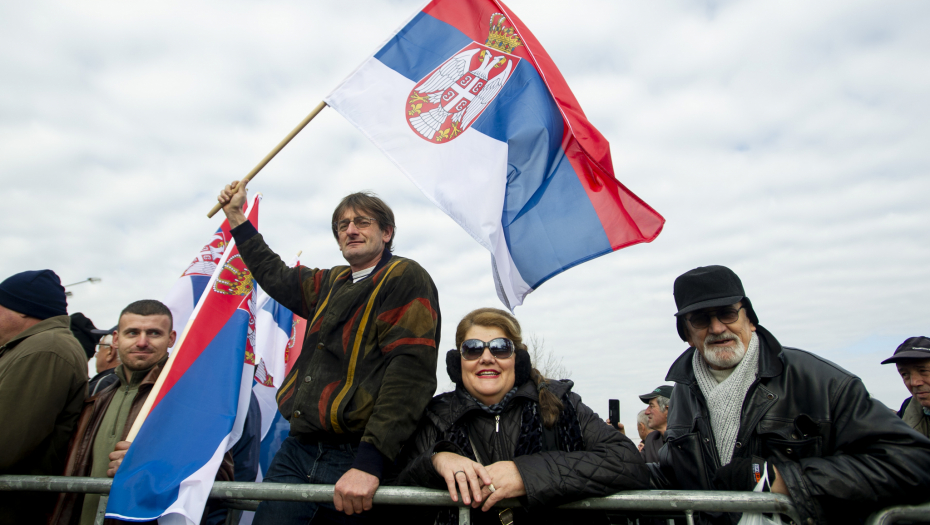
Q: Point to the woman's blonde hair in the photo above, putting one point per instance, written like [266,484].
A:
[550,405]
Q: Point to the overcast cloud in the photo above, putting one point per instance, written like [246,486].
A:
[781,139]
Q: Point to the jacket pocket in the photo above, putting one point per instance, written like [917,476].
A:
[792,450]
[689,462]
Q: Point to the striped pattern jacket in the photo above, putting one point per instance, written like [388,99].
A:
[368,365]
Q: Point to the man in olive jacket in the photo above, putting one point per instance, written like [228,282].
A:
[746,409]
[368,364]
[43,377]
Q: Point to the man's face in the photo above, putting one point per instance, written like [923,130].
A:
[103,358]
[722,345]
[143,340]
[656,415]
[916,376]
[361,248]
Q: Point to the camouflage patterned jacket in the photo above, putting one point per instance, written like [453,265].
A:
[368,365]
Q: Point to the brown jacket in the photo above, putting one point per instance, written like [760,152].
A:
[80,460]
[43,378]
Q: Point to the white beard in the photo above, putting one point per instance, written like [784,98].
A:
[723,358]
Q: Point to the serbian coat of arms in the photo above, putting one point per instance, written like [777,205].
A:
[447,101]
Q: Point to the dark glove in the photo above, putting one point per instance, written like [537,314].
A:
[743,474]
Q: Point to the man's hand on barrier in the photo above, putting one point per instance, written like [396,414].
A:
[506,481]
[116,457]
[354,491]
[469,476]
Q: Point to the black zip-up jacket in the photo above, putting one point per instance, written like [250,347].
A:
[609,462]
[841,454]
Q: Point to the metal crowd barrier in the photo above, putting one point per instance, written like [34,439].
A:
[246,496]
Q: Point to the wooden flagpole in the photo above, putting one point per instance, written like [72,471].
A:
[274,152]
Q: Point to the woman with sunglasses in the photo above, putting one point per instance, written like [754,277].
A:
[508,432]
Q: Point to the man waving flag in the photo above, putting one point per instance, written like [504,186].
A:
[468,104]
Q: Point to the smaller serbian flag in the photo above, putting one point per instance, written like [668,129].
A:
[188,289]
[466,102]
[197,408]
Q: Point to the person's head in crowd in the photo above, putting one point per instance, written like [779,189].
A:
[714,315]
[642,424]
[28,298]
[144,334]
[107,356]
[86,333]
[657,411]
[490,360]
[363,225]
[912,358]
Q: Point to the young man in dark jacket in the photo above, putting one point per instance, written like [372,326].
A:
[745,407]
[368,365]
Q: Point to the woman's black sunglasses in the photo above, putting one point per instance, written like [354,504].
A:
[501,348]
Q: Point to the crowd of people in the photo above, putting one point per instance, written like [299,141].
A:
[743,412]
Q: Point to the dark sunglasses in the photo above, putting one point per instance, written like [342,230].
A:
[726,315]
[501,348]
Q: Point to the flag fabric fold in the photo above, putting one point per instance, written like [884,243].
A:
[468,104]
[198,406]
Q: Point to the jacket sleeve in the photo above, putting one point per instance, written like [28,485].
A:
[407,323]
[416,459]
[45,380]
[284,284]
[879,460]
[609,463]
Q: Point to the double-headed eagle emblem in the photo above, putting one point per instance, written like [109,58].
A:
[452,96]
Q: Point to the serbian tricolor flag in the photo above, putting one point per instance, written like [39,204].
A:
[467,103]
[188,289]
[196,410]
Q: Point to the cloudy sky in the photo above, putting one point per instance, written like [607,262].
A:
[781,139]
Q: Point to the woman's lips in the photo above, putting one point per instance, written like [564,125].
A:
[492,374]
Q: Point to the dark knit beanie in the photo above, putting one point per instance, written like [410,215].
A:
[37,293]
[522,368]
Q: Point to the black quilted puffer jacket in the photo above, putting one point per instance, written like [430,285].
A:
[608,463]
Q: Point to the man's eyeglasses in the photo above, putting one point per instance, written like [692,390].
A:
[360,222]
[501,348]
[701,320]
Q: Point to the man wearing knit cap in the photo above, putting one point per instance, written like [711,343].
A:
[749,414]
[43,377]
[912,359]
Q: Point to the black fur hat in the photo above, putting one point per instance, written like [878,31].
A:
[522,368]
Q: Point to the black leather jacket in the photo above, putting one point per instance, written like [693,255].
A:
[841,454]
[609,463]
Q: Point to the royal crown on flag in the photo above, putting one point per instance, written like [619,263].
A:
[501,36]
[234,279]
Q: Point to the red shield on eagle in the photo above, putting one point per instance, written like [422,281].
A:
[448,100]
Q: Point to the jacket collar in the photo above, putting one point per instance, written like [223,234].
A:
[770,362]
[448,408]
[59,321]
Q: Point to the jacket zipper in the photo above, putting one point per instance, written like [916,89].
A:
[497,423]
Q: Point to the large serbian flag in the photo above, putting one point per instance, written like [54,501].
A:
[468,104]
[196,409]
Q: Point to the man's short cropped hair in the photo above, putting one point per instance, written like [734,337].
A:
[367,202]
[641,418]
[147,307]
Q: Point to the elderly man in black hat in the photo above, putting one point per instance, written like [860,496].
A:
[913,361]
[749,414]
[43,377]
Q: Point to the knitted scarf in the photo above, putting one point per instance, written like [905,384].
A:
[725,400]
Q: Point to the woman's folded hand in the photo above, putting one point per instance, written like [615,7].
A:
[470,476]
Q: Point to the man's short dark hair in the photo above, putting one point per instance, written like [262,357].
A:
[147,307]
[367,202]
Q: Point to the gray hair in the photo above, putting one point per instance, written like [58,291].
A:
[641,418]
[662,402]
